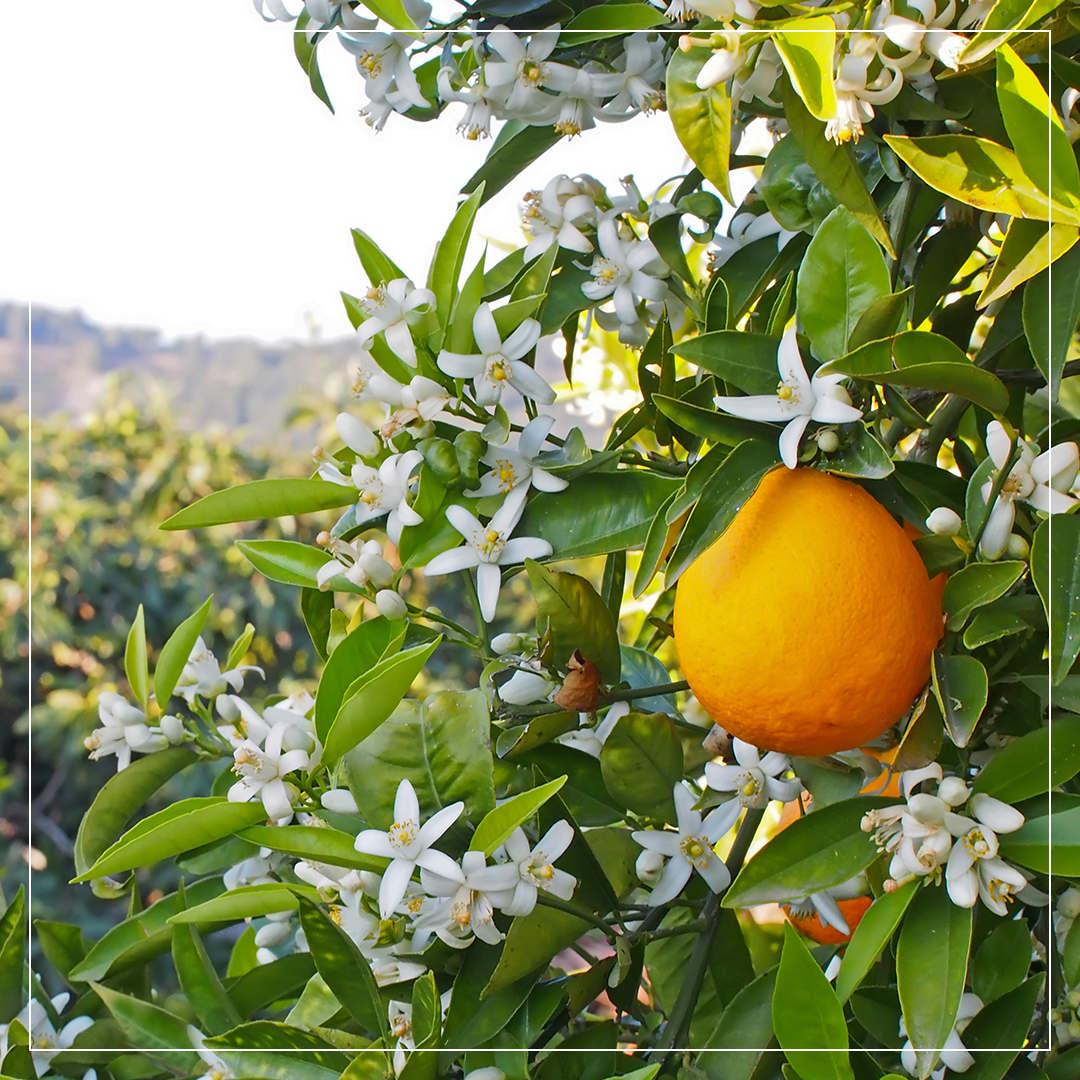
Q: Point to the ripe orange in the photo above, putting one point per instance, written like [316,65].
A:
[809,625]
[813,927]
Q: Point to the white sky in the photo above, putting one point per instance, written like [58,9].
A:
[168,166]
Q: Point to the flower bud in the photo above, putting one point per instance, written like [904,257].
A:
[1068,903]
[649,866]
[525,687]
[227,708]
[995,814]
[953,790]
[828,441]
[944,522]
[390,604]
[264,956]
[340,801]
[502,644]
[279,916]
[172,727]
[356,435]
[927,809]
[1017,547]
[272,934]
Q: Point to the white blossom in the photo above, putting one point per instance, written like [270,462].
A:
[391,308]
[386,490]
[555,214]
[362,564]
[262,772]
[625,271]
[511,468]
[124,731]
[517,882]
[202,675]
[954,1054]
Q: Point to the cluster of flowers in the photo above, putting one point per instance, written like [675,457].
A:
[45,1038]
[1065,1017]
[927,837]
[1042,480]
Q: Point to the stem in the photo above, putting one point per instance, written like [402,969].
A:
[671,931]
[425,613]
[483,636]
[632,457]
[649,691]
[941,426]
[900,225]
[583,913]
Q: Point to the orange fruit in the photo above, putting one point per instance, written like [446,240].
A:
[813,927]
[809,625]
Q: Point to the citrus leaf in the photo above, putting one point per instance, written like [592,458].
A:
[12,954]
[931,965]
[871,936]
[1048,326]
[701,118]
[609,20]
[315,844]
[863,457]
[449,256]
[378,266]
[517,145]
[498,824]
[135,665]
[806,1013]
[356,655]
[960,686]
[1003,960]
[641,761]
[307,55]
[807,51]
[816,852]
[1038,761]
[199,981]
[246,902]
[996,1034]
[261,499]
[1042,841]
[745,1022]
[747,361]
[1055,569]
[175,652]
[976,585]
[146,1026]
[1029,247]
[287,561]
[715,426]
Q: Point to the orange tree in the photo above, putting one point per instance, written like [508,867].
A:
[426,880]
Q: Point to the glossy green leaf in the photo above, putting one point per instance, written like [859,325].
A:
[393,12]
[315,844]
[978,172]
[240,647]
[724,495]
[1055,569]
[442,747]
[877,926]
[642,669]
[141,937]
[598,514]
[344,968]
[881,319]
[745,1023]
[146,1026]
[274,1051]
[356,655]
[975,585]
[710,424]
[135,665]
[286,561]
[835,166]
[747,361]
[609,20]
[180,827]
[530,944]
[450,254]
[175,652]
[928,361]
[499,823]
[960,685]
[120,797]
[808,1019]
[577,617]
[378,266]
[1070,955]
[316,608]
[306,50]
[1044,841]
[813,853]
[998,1032]
[1028,249]
[931,966]
[1002,961]
[245,902]
[517,145]
[199,981]
[1035,130]
[1004,16]
[1038,761]
[641,761]
[62,943]
[862,456]
[1050,311]
[807,51]
[373,697]
[261,499]
[701,118]
[12,955]
[992,625]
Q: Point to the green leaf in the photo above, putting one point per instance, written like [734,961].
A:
[806,1013]
[609,20]
[815,852]
[199,981]
[745,1022]
[577,617]
[1070,955]
[747,361]
[12,955]
[307,56]
[701,118]
[1029,247]
[807,51]
[261,499]
[498,824]
[373,697]
[641,761]
[344,968]
[978,172]
[928,361]
[442,747]
[1039,761]
[288,562]
[642,669]
[240,647]
[394,13]
[517,145]
[993,625]
[871,936]
[835,167]
[316,608]
[314,843]
[378,266]
[1003,960]
[1055,568]
[450,254]
[1049,326]
[180,827]
[715,426]
[1035,130]
[960,685]
[931,965]
[1040,841]
[135,665]
[141,937]
[881,319]
[996,1034]
[598,514]
[530,944]
[62,943]
[246,902]
[175,652]
[145,1026]
[121,796]
[1005,15]
[356,655]
[724,495]
[862,457]
[976,585]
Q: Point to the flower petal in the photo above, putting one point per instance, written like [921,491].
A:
[789,440]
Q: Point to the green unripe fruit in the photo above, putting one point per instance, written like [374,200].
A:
[469,447]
